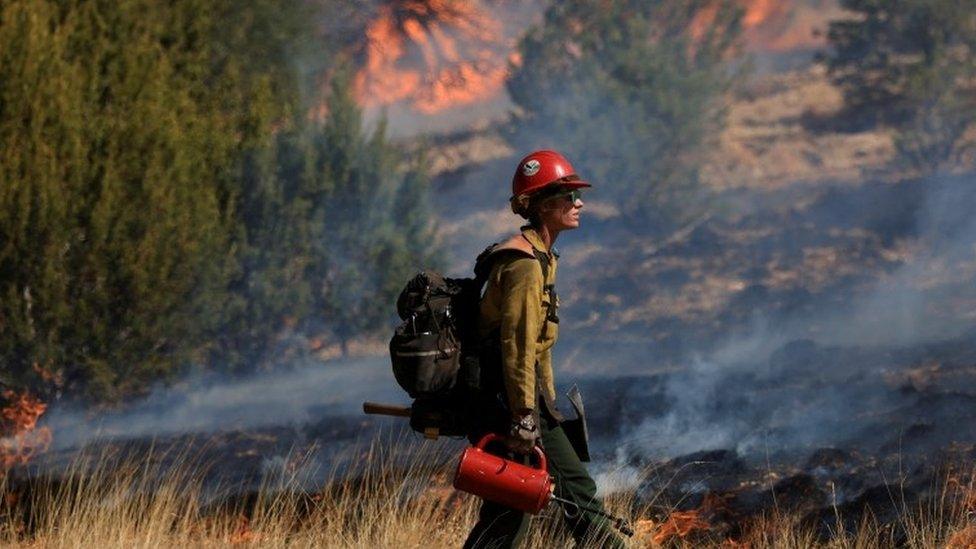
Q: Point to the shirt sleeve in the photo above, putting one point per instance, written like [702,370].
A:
[521,319]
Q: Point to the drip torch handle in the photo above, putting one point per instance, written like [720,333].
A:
[539,453]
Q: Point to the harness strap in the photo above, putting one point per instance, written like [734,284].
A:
[483,264]
[548,289]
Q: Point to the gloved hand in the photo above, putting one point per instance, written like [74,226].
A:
[523,434]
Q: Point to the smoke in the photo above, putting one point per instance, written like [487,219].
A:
[779,385]
[795,383]
[205,403]
[916,303]
[775,369]
[795,378]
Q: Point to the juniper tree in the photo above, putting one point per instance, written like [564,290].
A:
[377,224]
[113,236]
[120,126]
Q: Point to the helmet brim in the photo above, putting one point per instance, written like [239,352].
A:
[562,184]
[576,184]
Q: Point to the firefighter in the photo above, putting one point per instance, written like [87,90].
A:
[518,325]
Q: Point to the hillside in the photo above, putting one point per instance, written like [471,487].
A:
[808,225]
[781,129]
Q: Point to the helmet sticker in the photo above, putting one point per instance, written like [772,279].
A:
[531,168]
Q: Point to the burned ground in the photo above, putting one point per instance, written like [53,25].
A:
[789,433]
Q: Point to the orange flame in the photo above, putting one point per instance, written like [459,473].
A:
[760,11]
[680,524]
[243,534]
[774,25]
[757,14]
[433,54]
[771,25]
[964,538]
[22,440]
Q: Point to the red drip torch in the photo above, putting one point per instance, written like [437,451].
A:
[515,485]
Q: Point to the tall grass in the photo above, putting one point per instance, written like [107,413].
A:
[386,494]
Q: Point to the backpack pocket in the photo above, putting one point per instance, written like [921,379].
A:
[424,364]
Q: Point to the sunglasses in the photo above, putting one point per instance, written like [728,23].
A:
[572,196]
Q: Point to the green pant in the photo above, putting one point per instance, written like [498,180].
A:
[500,526]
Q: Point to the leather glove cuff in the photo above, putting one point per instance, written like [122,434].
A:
[524,424]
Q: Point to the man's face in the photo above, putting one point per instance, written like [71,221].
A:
[562,211]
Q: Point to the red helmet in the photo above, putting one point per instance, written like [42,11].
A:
[543,168]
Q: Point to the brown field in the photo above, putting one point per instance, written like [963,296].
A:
[386,502]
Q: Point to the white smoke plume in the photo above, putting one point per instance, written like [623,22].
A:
[203,404]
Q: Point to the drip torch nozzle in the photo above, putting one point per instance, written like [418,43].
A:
[618,522]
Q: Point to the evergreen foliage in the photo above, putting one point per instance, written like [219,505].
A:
[114,235]
[633,91]
[166,201]
[912,64]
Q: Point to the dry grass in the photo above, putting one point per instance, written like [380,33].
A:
[378,501]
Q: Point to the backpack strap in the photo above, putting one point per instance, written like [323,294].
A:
[516,244]
[543,260]
[483,264]
[549,289]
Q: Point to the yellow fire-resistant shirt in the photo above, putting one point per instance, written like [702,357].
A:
[516,304]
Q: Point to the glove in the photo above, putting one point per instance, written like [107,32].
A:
[523,434]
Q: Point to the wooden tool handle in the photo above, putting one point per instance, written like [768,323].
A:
[386,409]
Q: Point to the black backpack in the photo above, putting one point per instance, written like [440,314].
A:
[435,350]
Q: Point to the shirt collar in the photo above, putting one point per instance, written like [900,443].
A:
[533,237]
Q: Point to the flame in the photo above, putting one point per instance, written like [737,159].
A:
[963,539]
[432,54]
[242,533]
[760,11]
[53,378]
[682,524]
[702,20]
[758,17]
[775,25]
[22,439]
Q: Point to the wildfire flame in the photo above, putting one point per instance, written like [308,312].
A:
[22,439]
[242,533]
[963,539]
[433,54]
[760,11]
[772,25]
[682,524]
